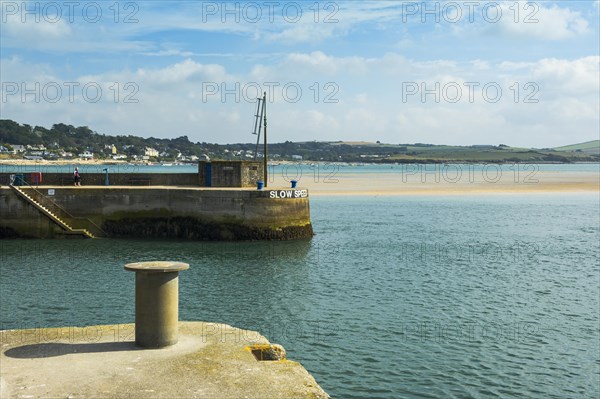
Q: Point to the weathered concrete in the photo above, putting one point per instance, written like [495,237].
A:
[18,218]
[166,212]
[210,361]
[156,302]
[230,173]
[97,178]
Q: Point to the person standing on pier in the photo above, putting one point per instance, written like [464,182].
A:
[77,177]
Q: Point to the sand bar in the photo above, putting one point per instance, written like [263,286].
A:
[371,184]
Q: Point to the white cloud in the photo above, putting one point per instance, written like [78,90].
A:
[301,34]
[578,77]
[172,102]
[534,20]
[320,63]
[32,28]
[183,72]
[169,53]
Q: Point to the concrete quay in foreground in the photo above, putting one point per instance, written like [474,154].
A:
[209,361]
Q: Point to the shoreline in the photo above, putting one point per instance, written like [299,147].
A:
[430,183]
[375,184]
[454,193]
[29,162]
[79,161]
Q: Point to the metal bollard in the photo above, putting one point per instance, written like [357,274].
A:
[156,302]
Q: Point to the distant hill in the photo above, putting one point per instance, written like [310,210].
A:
[62,139]
[590,147]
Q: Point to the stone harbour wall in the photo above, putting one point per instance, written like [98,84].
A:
[115,179]
[152,212]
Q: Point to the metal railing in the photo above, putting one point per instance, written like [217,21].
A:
[75,222]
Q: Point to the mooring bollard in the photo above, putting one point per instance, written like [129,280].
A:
[156,302]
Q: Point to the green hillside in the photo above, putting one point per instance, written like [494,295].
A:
[61,140]
[588,145]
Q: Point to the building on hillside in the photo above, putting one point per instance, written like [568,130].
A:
[150,152]
[86,155]
[37,147]
[17,148]
[112,149]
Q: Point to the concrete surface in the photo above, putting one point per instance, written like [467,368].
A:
[165,212]
[210,361]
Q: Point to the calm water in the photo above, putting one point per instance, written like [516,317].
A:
[315,172]
[395,297]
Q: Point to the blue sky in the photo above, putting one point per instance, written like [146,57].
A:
[447,72]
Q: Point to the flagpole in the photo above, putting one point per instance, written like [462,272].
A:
[265,167]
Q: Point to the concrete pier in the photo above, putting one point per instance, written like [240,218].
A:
[210,361]
[156,302]
[190,213]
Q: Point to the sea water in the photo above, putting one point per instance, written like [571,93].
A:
[316,172]
[395,297]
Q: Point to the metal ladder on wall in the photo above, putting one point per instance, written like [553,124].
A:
[65,220]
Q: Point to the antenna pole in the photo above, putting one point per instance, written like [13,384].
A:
[257,126]
[265,167]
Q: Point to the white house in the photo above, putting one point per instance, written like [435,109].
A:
[17,148]
[86,155]
[150,152]
[37,147]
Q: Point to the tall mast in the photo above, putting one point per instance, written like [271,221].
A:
[265,167]
[258,118]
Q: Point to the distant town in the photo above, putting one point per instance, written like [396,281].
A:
[67,142]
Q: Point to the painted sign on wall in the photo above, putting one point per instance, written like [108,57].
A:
[288,194]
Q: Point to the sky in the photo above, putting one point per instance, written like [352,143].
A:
[443,72]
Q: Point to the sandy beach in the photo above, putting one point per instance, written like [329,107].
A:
[390,184]
[77,161]
[498,180]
